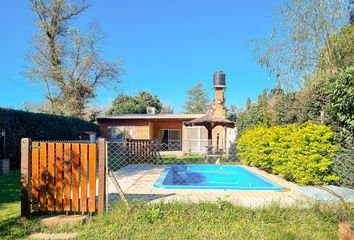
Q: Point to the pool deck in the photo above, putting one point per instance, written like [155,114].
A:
[136,181]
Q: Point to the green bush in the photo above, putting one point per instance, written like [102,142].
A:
[37,126]
[344,166]
[299,152]
[341,101]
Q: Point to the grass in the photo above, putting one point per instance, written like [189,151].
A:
[192,159]
[220,220]
[217,221]
[11,226]
[188,159]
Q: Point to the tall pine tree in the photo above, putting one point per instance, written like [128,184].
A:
[197,99]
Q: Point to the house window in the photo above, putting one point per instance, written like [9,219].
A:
[122,133]
[170,135]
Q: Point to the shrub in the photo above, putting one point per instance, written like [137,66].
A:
[300,152]
[344,166]
[38,126]
[341,100]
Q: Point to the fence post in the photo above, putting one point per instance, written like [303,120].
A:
[26,177]
[101,175]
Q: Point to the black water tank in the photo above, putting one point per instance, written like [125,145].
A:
[219,79]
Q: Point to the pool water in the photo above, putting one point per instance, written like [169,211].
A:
[210,176]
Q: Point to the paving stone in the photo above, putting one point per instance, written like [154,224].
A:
[58,220]
[53,235]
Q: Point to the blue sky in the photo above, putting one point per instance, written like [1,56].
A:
[167,47]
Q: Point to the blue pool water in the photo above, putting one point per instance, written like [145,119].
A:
[210,176]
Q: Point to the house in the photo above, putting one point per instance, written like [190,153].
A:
[169,129]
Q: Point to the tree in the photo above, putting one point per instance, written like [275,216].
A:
[314,96]
[342,51]
[166,109]
[301,30]
[341,102]
[232,113]
[197,99]
[248,103]
[249,119]
[287,109]
[263,98]
[65,60]
[135,104]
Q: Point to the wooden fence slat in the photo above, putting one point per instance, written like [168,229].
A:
[35,175]
[92,178]
[50,185]
[141,151]
[67,176]
[101,175]
[84,174]
[42,176]
[75,177]
[59,177]
[26,190]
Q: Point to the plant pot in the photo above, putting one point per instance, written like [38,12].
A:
[346,231]
[4,166]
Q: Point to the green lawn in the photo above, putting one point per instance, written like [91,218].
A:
[189,159]
[185,221]
[11,227]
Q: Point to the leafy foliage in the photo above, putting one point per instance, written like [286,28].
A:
[135,104]
[254,114]
[282,109]
[300,34]
[248,104]
[67,61]
[197,99]
[342,51]
[249,119]
[344,166]
[38,126]
[166,109]
[321,87]
[153,213]
[341,99]
[232,113]
[299,152]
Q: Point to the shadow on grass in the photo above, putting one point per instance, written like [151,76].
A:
[143,198]
[15,228]
[10,187]
[11,225]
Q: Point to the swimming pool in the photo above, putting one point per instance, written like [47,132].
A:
[210,176]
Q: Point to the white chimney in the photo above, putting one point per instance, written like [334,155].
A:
[150,110]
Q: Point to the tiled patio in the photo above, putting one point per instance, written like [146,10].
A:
[136,181]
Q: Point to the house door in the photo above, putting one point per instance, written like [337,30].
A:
[164,136]
[171,137]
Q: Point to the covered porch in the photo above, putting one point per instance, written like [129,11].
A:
[168,134]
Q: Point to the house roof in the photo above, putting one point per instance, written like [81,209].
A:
[151,116]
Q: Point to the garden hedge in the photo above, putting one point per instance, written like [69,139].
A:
[299,152]
[38,126]
[344,166]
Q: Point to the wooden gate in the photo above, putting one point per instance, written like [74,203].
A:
[62,177]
